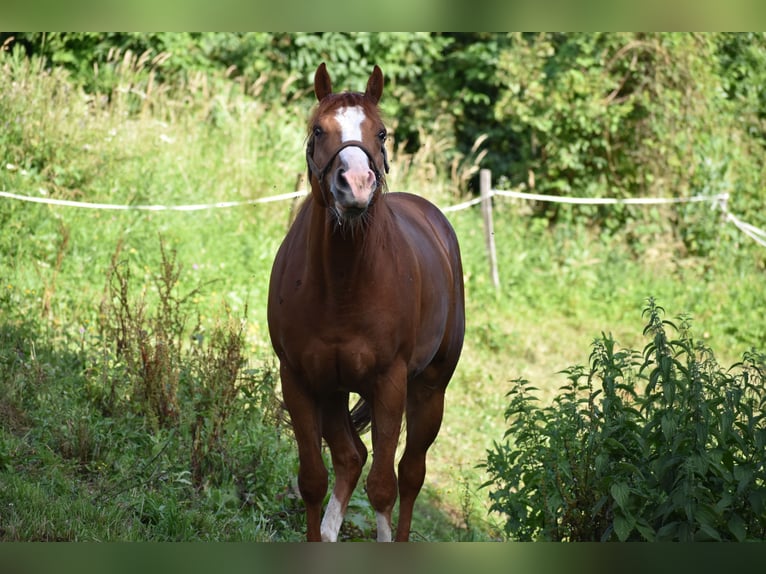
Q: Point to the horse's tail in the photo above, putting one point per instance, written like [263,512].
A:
[361,415]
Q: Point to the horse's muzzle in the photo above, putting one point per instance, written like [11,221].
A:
[353,184]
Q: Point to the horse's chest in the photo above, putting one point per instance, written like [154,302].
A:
[346,342]
[349,364]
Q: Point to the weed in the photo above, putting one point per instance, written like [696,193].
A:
[667,447]
[214,384]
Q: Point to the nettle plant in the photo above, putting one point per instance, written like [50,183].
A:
[663,445]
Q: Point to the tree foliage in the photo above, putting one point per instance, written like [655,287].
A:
[585,114]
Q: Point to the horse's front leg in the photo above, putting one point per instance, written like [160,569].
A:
[348,457]
[312,474]
[388,402]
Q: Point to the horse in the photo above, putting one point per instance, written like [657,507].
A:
[366,296]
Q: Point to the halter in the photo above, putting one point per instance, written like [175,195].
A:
[320,173]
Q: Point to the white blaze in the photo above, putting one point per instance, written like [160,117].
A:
[350,120]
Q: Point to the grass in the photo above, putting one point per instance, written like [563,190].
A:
[81,458]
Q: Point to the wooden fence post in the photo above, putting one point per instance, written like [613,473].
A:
[485,186]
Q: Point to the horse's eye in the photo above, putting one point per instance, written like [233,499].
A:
[318,131]
[382,135]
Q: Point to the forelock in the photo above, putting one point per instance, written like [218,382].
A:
[334,101]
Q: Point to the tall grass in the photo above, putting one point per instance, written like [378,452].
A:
[138,390]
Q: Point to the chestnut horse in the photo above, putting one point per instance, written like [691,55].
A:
[366,297]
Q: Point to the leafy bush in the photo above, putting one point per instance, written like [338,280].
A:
[586,114]
[664,445]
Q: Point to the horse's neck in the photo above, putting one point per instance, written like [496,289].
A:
[339,255]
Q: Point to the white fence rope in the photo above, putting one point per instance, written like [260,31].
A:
[611,200]
[461,206]
[113,206]
[717,200]
[757,235]
[720,200]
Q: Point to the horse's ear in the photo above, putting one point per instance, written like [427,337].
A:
[322,82]
[375,85]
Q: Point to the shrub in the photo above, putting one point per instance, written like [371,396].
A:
[659,445]
[585,114]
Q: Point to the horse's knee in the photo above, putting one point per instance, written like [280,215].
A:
[356,461]
[349,461]
[353,457]
[312,484]
[382,489]
[359,456]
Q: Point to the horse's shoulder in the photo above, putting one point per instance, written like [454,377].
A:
[406,198]
[420,211]
[411,205]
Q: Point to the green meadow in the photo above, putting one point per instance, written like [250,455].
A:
[139,396]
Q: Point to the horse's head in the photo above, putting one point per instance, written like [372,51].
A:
[346,152]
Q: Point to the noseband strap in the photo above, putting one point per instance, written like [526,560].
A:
[321,173]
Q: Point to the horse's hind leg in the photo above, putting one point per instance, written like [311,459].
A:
[425,408]
[312,474]
[348,457]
